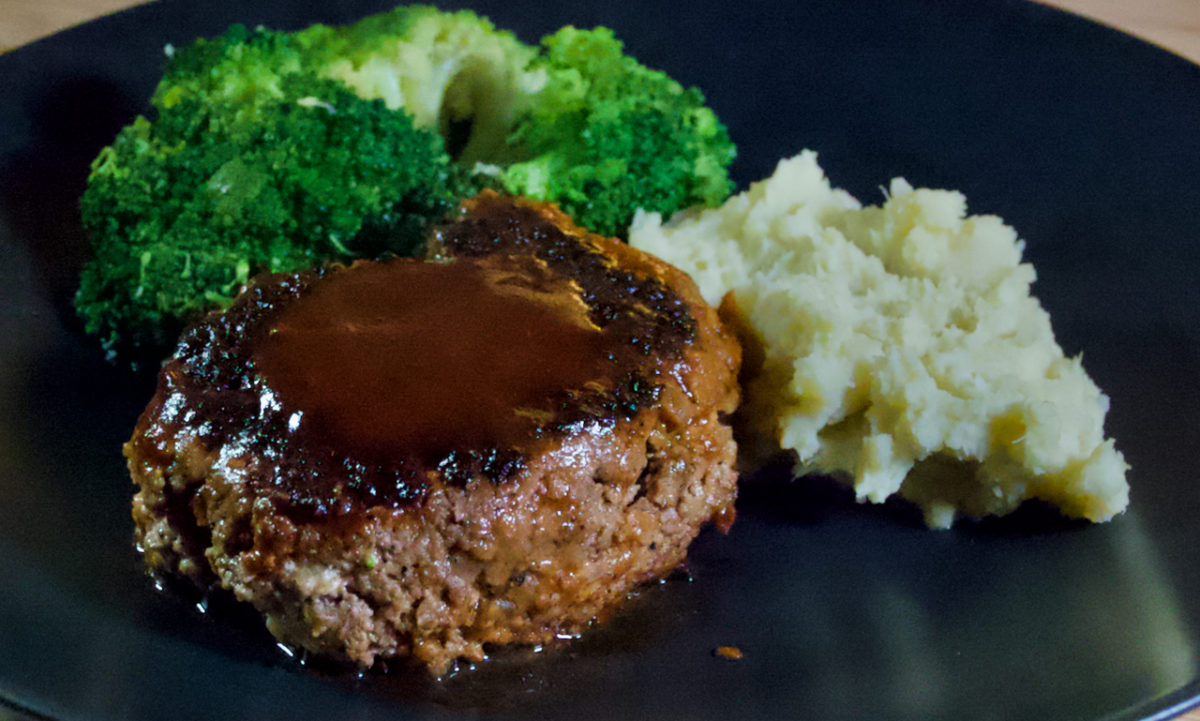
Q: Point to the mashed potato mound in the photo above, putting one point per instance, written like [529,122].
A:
[900,346]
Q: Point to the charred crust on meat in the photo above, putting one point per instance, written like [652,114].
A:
[653,318]
[215,373]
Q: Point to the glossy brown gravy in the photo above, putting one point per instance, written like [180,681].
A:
[429,357]
[363,386]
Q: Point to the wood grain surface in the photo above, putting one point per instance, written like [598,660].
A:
[1171,24]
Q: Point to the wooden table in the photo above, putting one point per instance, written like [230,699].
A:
[1172,24]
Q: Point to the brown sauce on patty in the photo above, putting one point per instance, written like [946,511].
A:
[429,357]
[366,384]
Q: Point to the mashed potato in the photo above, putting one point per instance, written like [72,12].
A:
[900,346]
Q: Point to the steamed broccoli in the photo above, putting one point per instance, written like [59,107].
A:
[455,72]
[182,211]
[576,122]
[443,68]
[275,150]
[606,136]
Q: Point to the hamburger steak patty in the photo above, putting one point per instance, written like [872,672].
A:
[423,457]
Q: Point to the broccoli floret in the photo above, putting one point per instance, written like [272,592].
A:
[182,211]
[606,136]
[273,151]
[576,121]
[455,72]
[444,68]
[241,66]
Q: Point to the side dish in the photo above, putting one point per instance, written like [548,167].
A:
[900,346]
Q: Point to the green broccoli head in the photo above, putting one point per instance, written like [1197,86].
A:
[455,72]
[576,122]
[605,136]
[448,70]
[273,151]
[242,66]
[182,211]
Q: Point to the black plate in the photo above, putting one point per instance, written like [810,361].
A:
[1087,141]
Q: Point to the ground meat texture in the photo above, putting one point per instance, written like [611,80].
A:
[425,457]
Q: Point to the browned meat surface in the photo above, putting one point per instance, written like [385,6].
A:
[406,457]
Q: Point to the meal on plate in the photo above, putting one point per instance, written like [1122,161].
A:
[425,399]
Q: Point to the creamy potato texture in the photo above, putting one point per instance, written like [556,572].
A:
[900,346]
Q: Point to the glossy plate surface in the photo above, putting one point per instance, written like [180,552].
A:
[1087,141]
